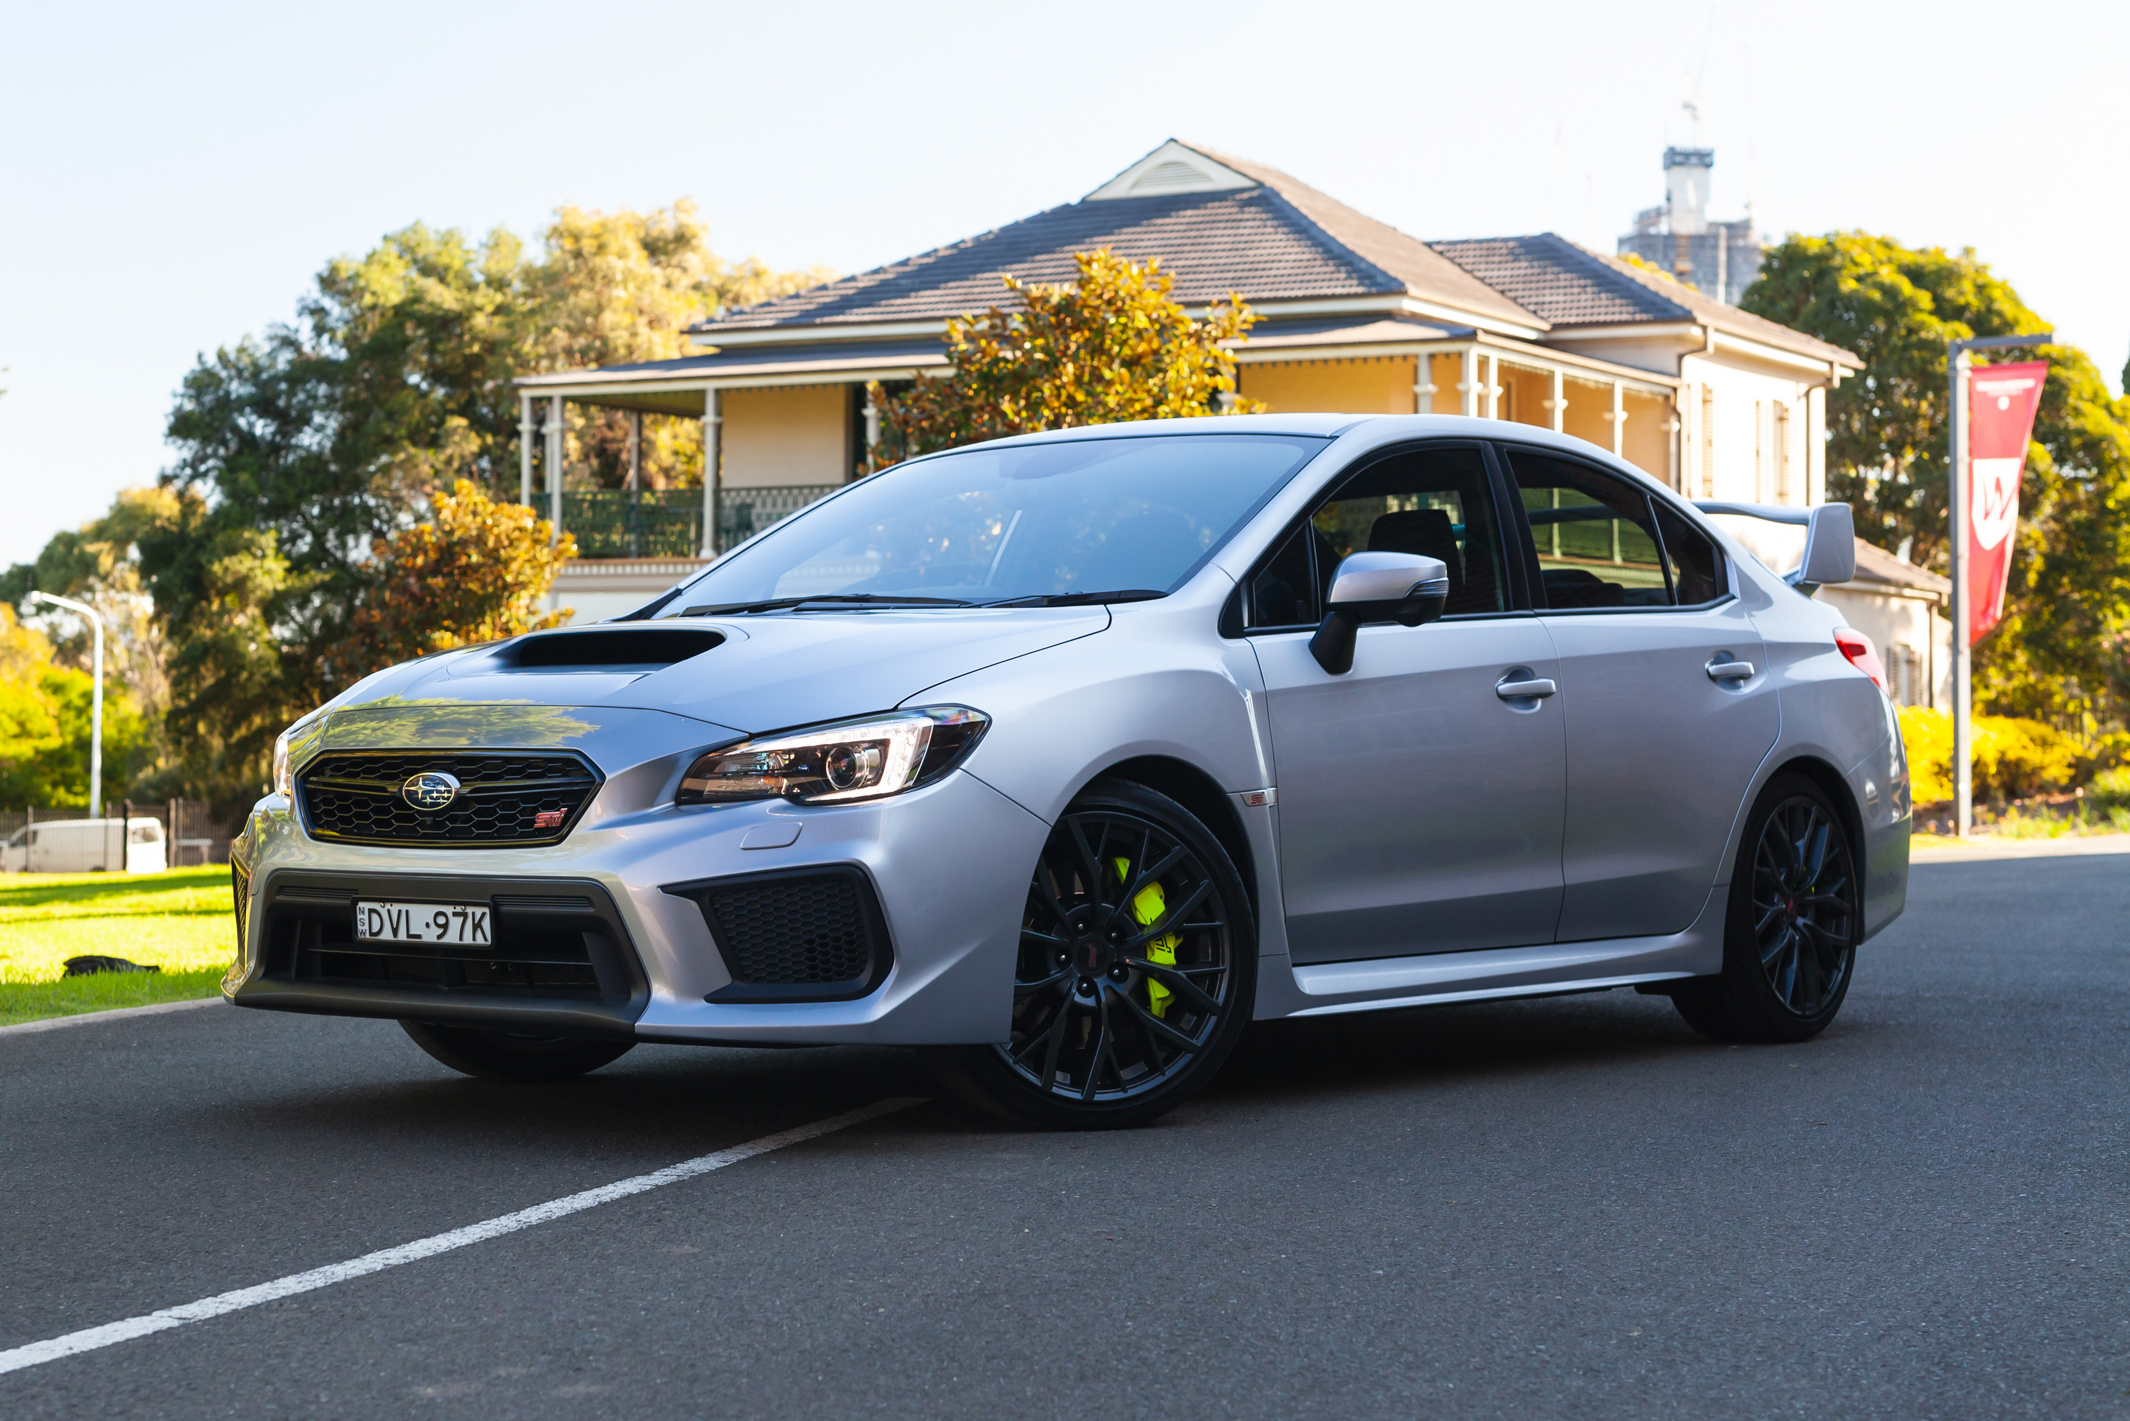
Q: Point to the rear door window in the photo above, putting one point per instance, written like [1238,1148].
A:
[1697,568]
[1595,535]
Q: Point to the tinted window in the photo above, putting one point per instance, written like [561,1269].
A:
[1697,569]
[994,524]
[1597,545]
[1433,502]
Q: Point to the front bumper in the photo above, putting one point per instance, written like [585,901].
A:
[949,864]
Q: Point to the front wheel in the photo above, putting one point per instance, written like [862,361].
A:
[509,1056]
[1792,925]
[1136,974]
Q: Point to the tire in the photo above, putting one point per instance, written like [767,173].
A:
[1790,927]
[507,1056]
[1131,987]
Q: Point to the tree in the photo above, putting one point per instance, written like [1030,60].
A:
[2058,654]
[303,451]
[46,722]
[475,572]
[1112,346]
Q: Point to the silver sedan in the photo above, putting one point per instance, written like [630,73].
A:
[1062,758]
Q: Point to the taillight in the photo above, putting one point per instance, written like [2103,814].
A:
[1862,655]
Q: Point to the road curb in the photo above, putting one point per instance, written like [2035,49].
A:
[83,1018]
[2069,846]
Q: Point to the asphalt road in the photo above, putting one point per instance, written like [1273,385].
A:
[1570,1207]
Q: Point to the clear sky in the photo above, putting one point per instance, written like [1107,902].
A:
[174,175]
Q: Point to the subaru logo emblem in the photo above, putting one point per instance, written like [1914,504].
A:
[430,790]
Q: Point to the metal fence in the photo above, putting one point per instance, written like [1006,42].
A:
[668,523]
[193,833]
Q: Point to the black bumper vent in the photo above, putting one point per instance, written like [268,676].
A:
[801,935]
[511,800]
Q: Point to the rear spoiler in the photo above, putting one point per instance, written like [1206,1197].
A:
[1830,538]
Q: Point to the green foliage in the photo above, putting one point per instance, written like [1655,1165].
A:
[475,572]
[2059,653]
[304,451]
[46,719]
[1112,346]
[2014,758]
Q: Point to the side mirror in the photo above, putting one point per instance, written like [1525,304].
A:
[1377,587]
[1830,549]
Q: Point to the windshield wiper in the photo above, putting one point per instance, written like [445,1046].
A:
[778,604]
[1080,599]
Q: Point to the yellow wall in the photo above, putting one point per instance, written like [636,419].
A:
[1647,444]
[1378,386]
[1588,406]
[791,435]
[1444,371]
[1524,394]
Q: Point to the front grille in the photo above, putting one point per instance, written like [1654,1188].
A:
[803,934]
[505,800]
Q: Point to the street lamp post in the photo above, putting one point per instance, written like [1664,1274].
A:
[96,703]
[1957,366]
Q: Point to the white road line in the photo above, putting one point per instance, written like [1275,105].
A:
[91,1338]
[90,1018]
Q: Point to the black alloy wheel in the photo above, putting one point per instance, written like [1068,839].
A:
[1795,916]
[512,1056]
[1135,973]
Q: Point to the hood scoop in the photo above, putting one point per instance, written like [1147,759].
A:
[633,649]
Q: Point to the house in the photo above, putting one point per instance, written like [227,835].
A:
[1356,316]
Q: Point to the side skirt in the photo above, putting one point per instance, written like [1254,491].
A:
[1383,983]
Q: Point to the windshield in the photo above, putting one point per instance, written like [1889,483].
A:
[1077,517]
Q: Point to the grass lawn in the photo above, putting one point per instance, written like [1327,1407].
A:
[180,921]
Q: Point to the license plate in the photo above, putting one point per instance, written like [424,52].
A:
[449,924]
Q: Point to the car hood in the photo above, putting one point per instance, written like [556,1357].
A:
[771,671]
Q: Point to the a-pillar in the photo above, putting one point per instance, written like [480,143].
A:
[554,465]
[711,471]
[527,429]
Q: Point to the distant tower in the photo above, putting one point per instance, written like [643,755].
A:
[1719,259]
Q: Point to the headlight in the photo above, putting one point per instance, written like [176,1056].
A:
[841,761]
[283,783]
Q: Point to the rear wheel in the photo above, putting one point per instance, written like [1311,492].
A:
[1136,972]
[509,1056]
[1792,925]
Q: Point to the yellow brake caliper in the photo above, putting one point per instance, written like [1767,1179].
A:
[1148,906]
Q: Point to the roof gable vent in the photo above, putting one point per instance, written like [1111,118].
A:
[1172,177]
[1171,168]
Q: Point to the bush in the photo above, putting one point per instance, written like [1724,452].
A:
[2110,790]
[2013,758]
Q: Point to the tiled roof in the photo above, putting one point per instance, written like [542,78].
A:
[1282,240]
[1570,286]
[1423,270]
[1250,241]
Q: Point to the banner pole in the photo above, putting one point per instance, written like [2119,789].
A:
[1962,661]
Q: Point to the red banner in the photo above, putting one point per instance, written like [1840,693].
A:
[2001,403]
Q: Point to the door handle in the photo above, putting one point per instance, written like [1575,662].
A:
[1535,689]
[1722,668]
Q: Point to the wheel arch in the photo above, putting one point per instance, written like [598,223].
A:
[1198,792]
[1835,787]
